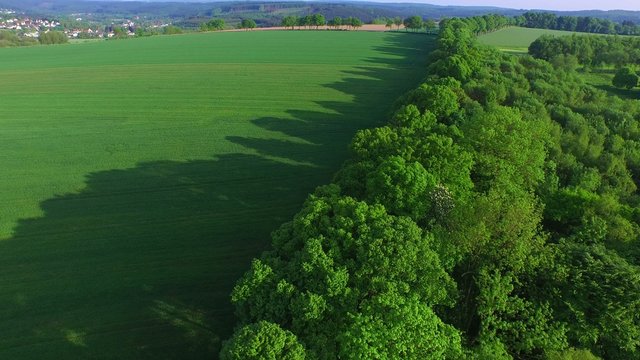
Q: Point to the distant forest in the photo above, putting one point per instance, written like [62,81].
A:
[191,14]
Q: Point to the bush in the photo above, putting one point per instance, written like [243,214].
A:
[625,78]
[53,37]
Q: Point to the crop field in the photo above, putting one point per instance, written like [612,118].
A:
[518,39]
[139,177]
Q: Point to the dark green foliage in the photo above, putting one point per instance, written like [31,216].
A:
[171,30]
[262,341]
[247,24]
[9,39]
[601,299]
[289,21]
[214,24]
[53,37]
[592,51]
[586,24]
[414,23]
[625,78]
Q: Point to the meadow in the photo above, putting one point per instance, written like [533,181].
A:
[518,39]
[139,177]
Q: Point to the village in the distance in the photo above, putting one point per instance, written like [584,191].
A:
[76,27]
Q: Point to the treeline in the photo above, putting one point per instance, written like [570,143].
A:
[318,20]
[496,216]
[479,25]
[592,51]
[586,24]
[11,39]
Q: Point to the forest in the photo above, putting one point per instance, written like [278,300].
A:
[495,216]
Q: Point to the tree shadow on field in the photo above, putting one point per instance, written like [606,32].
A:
[140,264]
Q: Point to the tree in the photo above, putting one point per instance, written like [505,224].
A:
[430,26]
[216,24]
[389,23]
[248,24]
[306,21]
[290,21]
[338,268]
[262,341]
[414,23]
[172,30]
[53,37]
[336,22]
[355,23]
[319,20]
[397,21]
[625,78]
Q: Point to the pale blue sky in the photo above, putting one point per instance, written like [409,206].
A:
[543,4]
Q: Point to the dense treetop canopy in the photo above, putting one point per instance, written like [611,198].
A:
[496,215]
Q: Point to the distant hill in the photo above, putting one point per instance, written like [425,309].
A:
[266,13]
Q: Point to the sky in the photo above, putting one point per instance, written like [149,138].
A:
[544,4]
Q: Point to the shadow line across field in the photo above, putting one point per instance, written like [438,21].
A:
[140,264]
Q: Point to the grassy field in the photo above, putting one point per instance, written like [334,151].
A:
[602,79]
[139,177]
[518,39]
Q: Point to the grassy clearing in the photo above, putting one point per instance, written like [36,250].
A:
[602,79]
[518,39]
[141,176]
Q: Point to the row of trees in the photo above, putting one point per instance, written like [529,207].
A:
[496,216]
[414,23]
[318,20]
[592,51]
[10,39]
[542,20]
[587,24]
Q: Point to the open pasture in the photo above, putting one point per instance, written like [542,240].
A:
[518,39]
[139,177]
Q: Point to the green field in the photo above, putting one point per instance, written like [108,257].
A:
[139,177]
[518,39]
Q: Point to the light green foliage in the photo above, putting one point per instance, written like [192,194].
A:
[401,187]
[573,354]
[518,182]
[326,266]
[319,20]
[509,149]
[262,341]
[518,39]
[440,100]
[144,175]
[395,328]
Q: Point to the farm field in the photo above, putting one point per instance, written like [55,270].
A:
[139,177]
[518,39]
